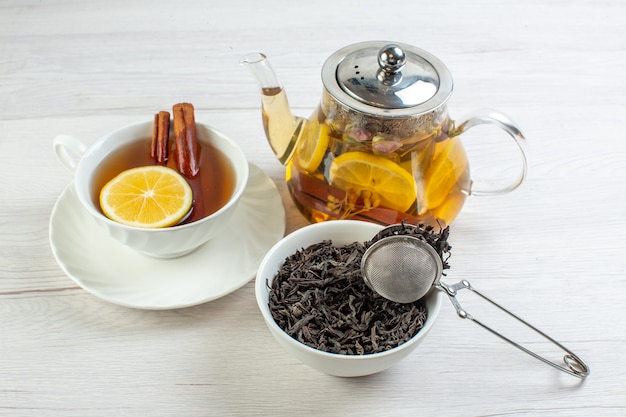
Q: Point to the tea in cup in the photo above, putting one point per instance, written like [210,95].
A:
[223,175]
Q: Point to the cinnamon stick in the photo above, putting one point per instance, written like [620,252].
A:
[187,149]
[160,138]
[187,155]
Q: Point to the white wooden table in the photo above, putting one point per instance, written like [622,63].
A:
[553,251]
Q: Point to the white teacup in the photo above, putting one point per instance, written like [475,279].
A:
[166,242]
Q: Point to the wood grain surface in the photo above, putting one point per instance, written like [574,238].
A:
[554,250]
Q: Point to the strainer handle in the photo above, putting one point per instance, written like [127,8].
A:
[575,366]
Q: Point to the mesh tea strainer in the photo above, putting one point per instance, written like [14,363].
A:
[404,268]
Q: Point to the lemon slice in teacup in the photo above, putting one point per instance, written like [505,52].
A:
[150,196]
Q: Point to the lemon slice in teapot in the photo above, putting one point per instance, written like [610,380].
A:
[362,171]
[312,146]
[445,170]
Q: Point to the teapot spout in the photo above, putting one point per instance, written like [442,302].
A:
[282,128]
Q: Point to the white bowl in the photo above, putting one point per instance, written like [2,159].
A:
[341,232]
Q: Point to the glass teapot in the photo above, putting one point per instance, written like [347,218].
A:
[380,146]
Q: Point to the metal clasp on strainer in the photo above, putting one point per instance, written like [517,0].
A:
[404,268]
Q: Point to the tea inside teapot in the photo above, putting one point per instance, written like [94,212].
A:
[347,165]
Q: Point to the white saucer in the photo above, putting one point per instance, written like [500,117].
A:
[118,274]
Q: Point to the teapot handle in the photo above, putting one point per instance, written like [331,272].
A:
[505,123]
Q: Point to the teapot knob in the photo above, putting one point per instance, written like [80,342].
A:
[391,59]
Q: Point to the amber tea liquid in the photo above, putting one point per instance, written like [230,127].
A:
[436,162]
[282,128]
[216,176]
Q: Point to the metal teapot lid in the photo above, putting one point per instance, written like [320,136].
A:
[387,79]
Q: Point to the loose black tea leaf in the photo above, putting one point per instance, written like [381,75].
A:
[438,240]
[319,297]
